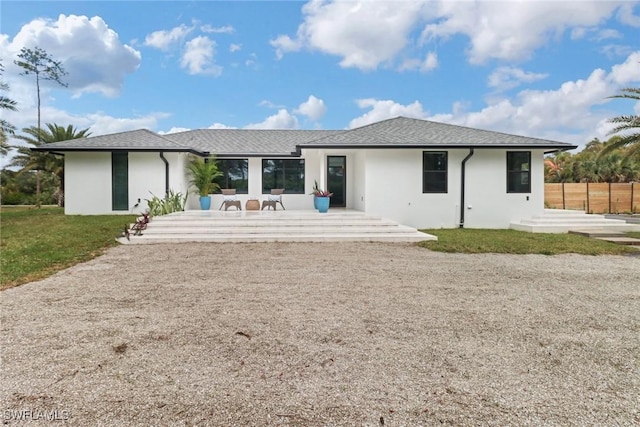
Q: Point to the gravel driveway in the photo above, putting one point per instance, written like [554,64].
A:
[324,334]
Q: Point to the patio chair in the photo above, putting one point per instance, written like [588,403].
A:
[273,198]
[229,198]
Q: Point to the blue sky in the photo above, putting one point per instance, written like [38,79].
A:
[535,68]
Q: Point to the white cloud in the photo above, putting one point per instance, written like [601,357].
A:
[368,34]
[281,120]
[364,34]
[91,53]
[227,29]
[505,78]
[284,44]
[426,65]
[513,30]
[163,39]
[386,109]
[628,71]
[313,108]
[220,126]
[233,47]
[626,16]
[198,57]
[173,130]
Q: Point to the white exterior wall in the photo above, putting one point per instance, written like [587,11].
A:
[87,183]
[383,182]
[488,205]
[394,189]
[88,180]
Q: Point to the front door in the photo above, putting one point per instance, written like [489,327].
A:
[337,180]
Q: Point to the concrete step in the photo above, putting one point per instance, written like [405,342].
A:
[315,229]
[598,232]
[243,238]
[629,241]
[565,227]
[274,226]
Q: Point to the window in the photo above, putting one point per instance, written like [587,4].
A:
[283,173]
[518,172]
[235,174]
[119,181]
[434,172]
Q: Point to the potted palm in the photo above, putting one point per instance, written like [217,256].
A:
[202,175]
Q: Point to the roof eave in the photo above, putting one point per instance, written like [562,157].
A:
[58,150]
[449,146]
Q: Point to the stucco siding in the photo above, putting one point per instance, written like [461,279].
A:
[487,203]
[88,181]
[87,185]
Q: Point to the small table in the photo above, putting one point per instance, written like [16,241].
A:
[252,205]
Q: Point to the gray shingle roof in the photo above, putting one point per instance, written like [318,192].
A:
[398,132]
[405,132]
[248,142]
[136,140]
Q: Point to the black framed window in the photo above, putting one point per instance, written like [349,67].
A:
[283,173]
[518,171]
[120,181]
[434,171]
[235,174]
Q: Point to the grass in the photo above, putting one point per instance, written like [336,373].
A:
[36,243]
[519,242]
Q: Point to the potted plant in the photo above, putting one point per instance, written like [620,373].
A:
[202,175]
[321,199]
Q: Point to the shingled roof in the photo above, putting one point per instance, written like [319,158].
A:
[135,140]
[248,142]
[404,132]
[400,132]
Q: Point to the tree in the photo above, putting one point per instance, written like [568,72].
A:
[628,124]
[43,67]
[6,103]
[40,161]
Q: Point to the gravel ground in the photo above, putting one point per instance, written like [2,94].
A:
[325,334]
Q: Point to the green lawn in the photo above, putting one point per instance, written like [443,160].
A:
[519,242]
[38,242]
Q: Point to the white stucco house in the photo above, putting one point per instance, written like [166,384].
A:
[419,173]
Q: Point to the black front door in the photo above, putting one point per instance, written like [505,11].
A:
[337,180]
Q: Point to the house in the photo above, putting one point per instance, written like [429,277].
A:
[419,173]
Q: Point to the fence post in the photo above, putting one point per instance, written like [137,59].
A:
[610,197]
[632,184]
[587,196]
[564,205]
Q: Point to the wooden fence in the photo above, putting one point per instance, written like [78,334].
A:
[594,197]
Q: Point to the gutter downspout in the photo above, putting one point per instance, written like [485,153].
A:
[166,174]
[462,187]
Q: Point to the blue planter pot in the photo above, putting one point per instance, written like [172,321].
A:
[205,203]
[322,204]
[315,202]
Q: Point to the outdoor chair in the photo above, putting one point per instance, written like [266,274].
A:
[229,198]
[273,198]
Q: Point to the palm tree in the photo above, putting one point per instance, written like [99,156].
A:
[6,103]
[41,161]
[629,125]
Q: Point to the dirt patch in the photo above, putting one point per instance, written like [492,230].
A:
[324,334]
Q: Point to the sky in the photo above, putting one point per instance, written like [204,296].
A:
[543,69]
